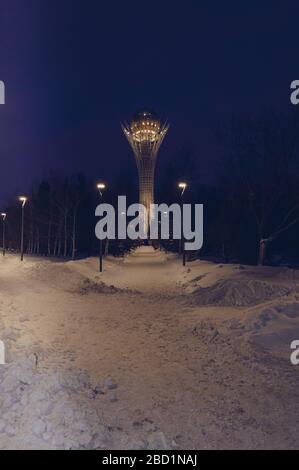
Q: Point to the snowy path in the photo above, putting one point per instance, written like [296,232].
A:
[178,375]
[148,271]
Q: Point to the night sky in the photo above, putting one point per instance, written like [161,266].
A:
[74,69]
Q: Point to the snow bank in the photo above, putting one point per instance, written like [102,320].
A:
[275,327]
[99,287]
[238,292]
[49,409]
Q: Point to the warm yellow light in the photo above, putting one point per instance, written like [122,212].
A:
[23,200]
[101,186]
[182,185]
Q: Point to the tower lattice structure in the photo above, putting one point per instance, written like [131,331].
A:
[145,134]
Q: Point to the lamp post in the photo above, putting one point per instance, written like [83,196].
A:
[101,187]
[23,200]
[182,186]
[3,215]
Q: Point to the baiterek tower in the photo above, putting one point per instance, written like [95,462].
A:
[145,134]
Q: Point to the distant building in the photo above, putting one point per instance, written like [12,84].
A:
[145,134]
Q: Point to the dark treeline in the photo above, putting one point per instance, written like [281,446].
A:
[57,218]
[251,212]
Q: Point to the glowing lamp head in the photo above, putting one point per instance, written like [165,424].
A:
[182,186]
[3,215]
[23,200]
[101,187]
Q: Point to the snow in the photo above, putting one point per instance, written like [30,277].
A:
[147,355]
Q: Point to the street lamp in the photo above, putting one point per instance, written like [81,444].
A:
[3,215]
[23,200]
[101,187]
[182,186]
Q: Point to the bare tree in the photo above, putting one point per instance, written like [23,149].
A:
[261,163]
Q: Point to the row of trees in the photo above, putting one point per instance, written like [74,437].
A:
[251,212]
[57,218]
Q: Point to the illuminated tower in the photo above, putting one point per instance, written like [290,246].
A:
[145,134]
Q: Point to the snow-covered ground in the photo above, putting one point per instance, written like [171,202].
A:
[148,354]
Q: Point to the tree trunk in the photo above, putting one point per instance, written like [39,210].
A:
[262,251]
[37,242]
[65,236]
[57,241]
[74,237]
[49,237]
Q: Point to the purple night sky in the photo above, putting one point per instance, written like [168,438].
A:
[74,69]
